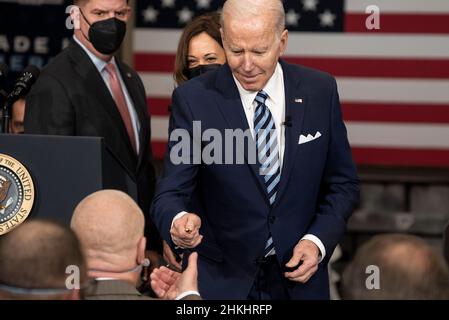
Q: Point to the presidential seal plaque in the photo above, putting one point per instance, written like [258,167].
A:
[16,193]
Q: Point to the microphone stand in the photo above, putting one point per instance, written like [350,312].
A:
[5,113]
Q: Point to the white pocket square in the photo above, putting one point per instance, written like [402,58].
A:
[304,139]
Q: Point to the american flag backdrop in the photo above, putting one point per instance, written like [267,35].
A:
[393,82]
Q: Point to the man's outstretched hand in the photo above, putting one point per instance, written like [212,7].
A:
[168,284]
[185,231]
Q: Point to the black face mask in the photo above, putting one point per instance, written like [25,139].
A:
[202,68]
[106,35]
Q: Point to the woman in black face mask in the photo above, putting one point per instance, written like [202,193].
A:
[200,48]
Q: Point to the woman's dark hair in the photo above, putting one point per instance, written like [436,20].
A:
[209,23]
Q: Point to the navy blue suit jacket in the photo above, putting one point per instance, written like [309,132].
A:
[318,190]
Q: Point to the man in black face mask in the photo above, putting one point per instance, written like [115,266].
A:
[86,91]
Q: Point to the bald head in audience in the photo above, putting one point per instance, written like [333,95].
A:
[33,262]
[408,269]
[110,227]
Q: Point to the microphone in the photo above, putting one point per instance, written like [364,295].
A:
[146,262]
[3,71]
[21,87]
[3,74]
[23,83]
[287,122]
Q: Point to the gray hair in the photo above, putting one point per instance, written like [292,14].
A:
[243,9]
[409,269]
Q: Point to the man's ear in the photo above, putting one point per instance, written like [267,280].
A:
[141,245]
[75,16]
[283,43]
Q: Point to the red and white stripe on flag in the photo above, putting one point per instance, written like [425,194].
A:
[393,82]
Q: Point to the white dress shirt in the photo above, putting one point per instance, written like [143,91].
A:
[100,65]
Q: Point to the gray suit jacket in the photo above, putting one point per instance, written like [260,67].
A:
[119,290]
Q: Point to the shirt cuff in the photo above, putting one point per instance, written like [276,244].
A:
[318,243]
[187,293]
[179,215]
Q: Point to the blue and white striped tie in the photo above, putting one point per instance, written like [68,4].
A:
[267,153]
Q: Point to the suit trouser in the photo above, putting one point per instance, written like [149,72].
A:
[269,283]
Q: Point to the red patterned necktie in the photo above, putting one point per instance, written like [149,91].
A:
[120,101]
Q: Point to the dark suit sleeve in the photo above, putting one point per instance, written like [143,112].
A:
[178,179]
[152,234]
[339,192]
[147,176]
[48,108]
[146,195]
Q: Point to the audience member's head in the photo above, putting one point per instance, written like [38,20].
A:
[38,260]
[200,47]
[110,227]
[408,268]
[17,116]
